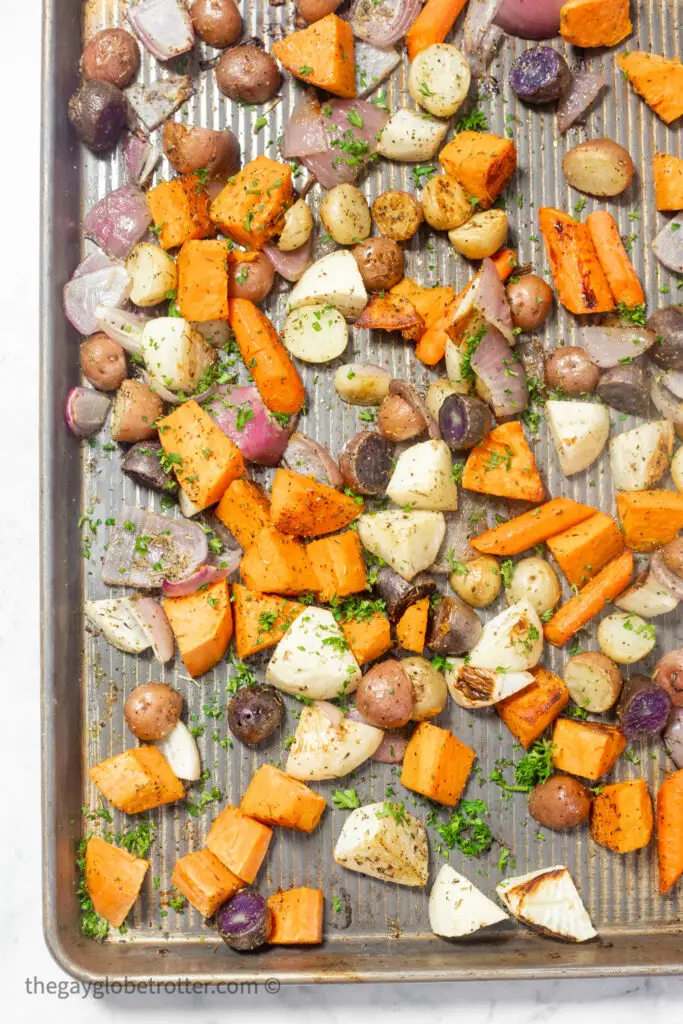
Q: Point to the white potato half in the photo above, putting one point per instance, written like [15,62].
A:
[411,137]
[457,908]
[313,658]
[639,458]
[176,355]
[181,751]
[481,236]
[392,847]
[315,334]
[626,638]
[362,383]
[334,281]
[511,641]
[116,620]
[430,693]
[152,274]
[322,750]
[647,597]
[548,901]
[298,226]
[423,478]
[593,680]
[345,214]
[407,541]
[579,431]
[439,79]
[535,579]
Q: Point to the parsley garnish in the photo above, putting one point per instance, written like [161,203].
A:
[347,799]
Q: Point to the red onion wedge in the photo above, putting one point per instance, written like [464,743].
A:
[146,548]
[292,264]
[304,132]
[481,36]
[673,737]
[204,575]
[501,380]
[304,455]
[530,19]
[393,746]
[373,66]
[668,245]
[241,414]
[350,145]
[383,22]
[122,326]
[666,402]
[164,27]
[582,91]
[153,104]
[609,346]
[333,712]
[153,622]
[487,296]
[668,579]
[86,411]
[672,380]
[118,222]
[93,261]
[109,286]
[140,158]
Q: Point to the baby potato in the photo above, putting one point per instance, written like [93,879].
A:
[385,695]
[362,383]
[397,215]
[535,579]
[152,710]
[626,638]
[439,79]
[135,412]
[437,393]
[561,802]
[152,274]
[598,168]
[346,215]
[593,680]
[445,203]
[478,582]
[481,236]
[430,693]
[298,226]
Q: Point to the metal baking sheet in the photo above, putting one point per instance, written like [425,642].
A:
[382,931]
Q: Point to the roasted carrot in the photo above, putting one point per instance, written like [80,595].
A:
[621,816]
[411,628]
[669,831]
[251,208]
[621,277]
[369,638]
[668,174]
[266,358]
[649,519]
[301,506]
[202,625]
[504,465]
[203,280]
[239,842]
[436,764]
[339,565]
[321,55]
[245,510]
[581,608]
[583,550]
[392,313]
[278,564]
[589,23]
[588,749]
[180,211]
[261,620]
[529,712]
[205,881]
[137,780]
[532,528]
[483,163]
[659,80]
[275,799]
[297,917]
[432,345]
[578,275]
[432,25]
[113,878]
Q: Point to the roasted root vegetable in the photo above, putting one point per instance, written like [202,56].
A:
[639,458]
[315,334]
[504,465]
[430,693]
[539,75]
[203,280]
[202,626]
[561,802]
[410,137]
[137,780]
[436,764]
[113,878]
[659,80]
[135,412]
[669,840]
[334,280]
[152,710]
[251,208]
[366,462]
[244,922]
[313,658]
[668,175]
[345,214]
[411,628]
[457,908]
[297,917]
[622,818]
[423,478]
[180,210]
[323,749]
[362,383]
[369,638]
[392,313]
[321,55]
[175,353]
[278,563]
[274,373]
[587,749]
[578,275]
[581,608]
[529,712]
[649,519]
[275,799]
[204,881]
[261,620]
[454,628]
[593,680]
[432,25]
[339,566]
[532,528]
[385,696]
[481,162]
[626,638]
[255,712]
[383,841]
[439,79]
[583,550]
[245,510]
[579,431]
[152,274]
[591,23]
[617,267]
[600,167]
[548,902]
[536,580]
[481,236]
[239,842]
[204,460]
[305,508]
[474,687]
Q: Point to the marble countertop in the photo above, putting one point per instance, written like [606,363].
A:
[32,982]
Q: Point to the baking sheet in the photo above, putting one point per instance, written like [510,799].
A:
[382,931]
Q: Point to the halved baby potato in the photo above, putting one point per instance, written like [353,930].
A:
[593,680]
[481,236]
[315,334]
[152,274]
[439,79]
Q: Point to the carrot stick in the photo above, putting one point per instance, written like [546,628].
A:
[532,528]
[266,358]
[432,25]
[621,277]
[669,832]
[581,608]
[578,275]
[432,345]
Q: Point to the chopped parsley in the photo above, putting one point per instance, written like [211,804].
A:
[466,829]
[347,799]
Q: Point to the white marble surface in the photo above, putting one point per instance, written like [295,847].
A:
[22,951]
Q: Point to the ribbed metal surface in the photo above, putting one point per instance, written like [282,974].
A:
[382,930]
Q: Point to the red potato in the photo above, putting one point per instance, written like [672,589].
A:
[251,280]
[135,413]
[385,695]
[112,55]
[217,22]
[190,148]
[103,362]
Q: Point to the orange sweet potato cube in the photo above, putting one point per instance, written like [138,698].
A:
[180,210]
[275,799]
[622,817]
[436,764]
[202,625]
[588,749]
[113,878]
[297,917]
[239,842]
[530,711]
[137,780]
[203,280]
[245,510]
[251,208]
[339,565]
[369,638]
[205,881]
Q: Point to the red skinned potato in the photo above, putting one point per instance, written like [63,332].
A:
[152,710]
[103,362]
[668,674]
[189,148]
[217,22]
[248,74]
[135,413]
[314,10]
[112,55]
[385,695]
[252,279]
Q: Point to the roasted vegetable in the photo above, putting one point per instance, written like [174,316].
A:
[366,463]
[244,921]
[454,628]
[398,594]
[560,803]
[539,75]
[464,421]
[643,707]
[385,695]
[254,713]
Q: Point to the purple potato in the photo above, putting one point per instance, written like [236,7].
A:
[143,464]
[464,422]
[539,75]
[643,707]
[254,713]
[245,921]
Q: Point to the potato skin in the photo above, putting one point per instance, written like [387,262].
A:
[570,369]
[481,584]
[397,215]
[385,695]
[531,299]
[189,148]
[381,263]
[599,167]
[561,803]
[249,74]
[152,710]
[135,412]
[398,421]
[314,10]
[217,22]
[103,362]
[112,55]
[251,280]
